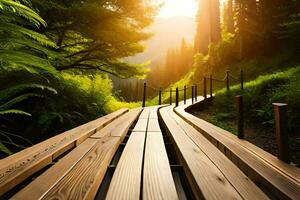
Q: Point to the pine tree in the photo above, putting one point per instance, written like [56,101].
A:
[202,39]
[228,17]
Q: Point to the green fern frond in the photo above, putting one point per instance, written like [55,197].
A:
[23,58]
[14,112]
[15,90]
[18,99]
[4,149]
[16,30]
[23,11]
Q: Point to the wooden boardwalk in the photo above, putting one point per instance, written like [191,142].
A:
[159,152]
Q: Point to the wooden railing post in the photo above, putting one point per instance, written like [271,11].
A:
[282,138]
[159,97]
[184,95]
[192,94]
[227,80]
[211,85]
[242,79]
[177,97]
[204,88]
[170,96]
[240,116]
[144,95]
[196,92]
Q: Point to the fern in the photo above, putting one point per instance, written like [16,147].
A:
[23,11]
[18,99]
[22,88]
[17,30]
[14,112]
[22,58]
[4,149]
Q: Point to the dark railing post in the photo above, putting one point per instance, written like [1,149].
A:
[240,116]
[159,97]
[144,95]
[242,79]
[177,97]
[227,80]
[282,138]
[192,94]
[204,88]
[196,92]
[184,95]
[170,96]
[211,85]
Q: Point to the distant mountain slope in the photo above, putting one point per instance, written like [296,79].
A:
[168,34]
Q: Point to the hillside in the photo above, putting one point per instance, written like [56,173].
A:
[259,94]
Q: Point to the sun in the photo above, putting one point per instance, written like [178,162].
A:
[172,8]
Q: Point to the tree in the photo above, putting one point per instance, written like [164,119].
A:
[202,39]
[208,25]
[97,35]
[228,17]
[215,29]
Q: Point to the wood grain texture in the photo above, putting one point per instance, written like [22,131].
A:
[246,188]
[119,126]
[289,170]
[145,113]
[158,182]
[141,125]
[20,166]
[153,112]
[272,180]
[39,187]
[126,181]
[209,182]
[83,181]
[153,125]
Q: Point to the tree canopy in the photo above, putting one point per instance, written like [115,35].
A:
[98,35]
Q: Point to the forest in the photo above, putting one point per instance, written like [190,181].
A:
[58,60]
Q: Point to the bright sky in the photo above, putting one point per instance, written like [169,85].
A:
[173,8]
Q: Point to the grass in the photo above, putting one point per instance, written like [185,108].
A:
[259,94]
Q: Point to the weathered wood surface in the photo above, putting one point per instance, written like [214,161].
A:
[274,177]
[20,166]
[213,160]
[83,181]
[119,126]
[158,182]
[207,180]
[246,188]
[126,181]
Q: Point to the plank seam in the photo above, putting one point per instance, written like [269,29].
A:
[143,161]
[208,157]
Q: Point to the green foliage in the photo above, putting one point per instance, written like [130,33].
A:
[98,35]
[259,95]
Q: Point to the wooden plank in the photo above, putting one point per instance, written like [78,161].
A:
[119,126]
[207,180]
[153,126]
[158,182]
[83,181]
[141,125]
[270,177]
[153,112]
[20,166]
[126,181]
[39,187]
[145,114]
[291,171]
[246,188]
